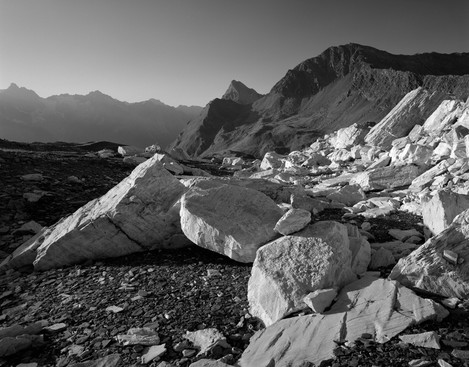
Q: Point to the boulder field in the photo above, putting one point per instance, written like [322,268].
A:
[313,283]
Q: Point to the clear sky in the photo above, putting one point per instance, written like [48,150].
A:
[188,51]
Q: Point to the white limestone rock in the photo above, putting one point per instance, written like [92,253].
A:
[206,339]
[319,300]
[426,268]
[289,268]
[426,178]
[378,307]
[348,136]
[438,212]
[231,220]
[361,250]
[272,160]
[135,215]
[348,195]
[386,177]
[414,108]
[429,339]
[293,221]
[129,150]
[444,115]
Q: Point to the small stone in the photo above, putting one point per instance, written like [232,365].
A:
[419,363]
[319,300]
[450,256]
[32,364]
[428,339]
[443,363]
[179,347]
[114,309]
[153,352]
[188,353]
[56,328]
[451,302]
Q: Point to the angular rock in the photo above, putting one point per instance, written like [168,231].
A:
[303,201]
[444,115]
[228,219]
[378,307]
[414,108]
[206,339]
[272,160]
[361,250]
[348,195]
[348,136]
[319,300]
[402,235]
[140,336]
[381,258]
[425,179]
[111,360]
[135,215]
[429,339]
[289,268]
[386,177]
[129,150]
[293,221]
[439,212]
[427,269]
[208,363]
[397,248]
[153,352]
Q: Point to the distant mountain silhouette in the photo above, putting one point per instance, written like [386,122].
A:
[343,85]
[24,116]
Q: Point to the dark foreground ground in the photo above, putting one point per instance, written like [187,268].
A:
[170,290]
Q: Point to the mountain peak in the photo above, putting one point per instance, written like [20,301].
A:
[20,92]
[240,93]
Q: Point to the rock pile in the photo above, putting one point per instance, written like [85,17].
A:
[314,283]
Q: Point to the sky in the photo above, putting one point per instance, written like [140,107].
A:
[188,51]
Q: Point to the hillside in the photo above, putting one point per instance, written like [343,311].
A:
[343,85]
[25,116]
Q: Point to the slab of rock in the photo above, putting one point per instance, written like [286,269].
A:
[378,307]
[444,115]
[438,212]
[429,339]
[303,201]
[129,150]
[208,363]
[428,269]
[403,234]
[414,108]
[348,136]
[135,215]
[111,360]
[288,269]
[348,195]
[155,351]
[386,177]
[319,300]
[293,221]
[398,249]
[381,258]
[272,160]
[426,178]
[229,219]
[206,339]
[361,250]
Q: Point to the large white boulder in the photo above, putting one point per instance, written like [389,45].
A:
[413,109]
[378,307]
[289,268]
[231,220]
[348,136]
[138,214]
[293,221]
[348,195]
[444,115]
[386,177]
[426,178]
[438,212]
[441,265]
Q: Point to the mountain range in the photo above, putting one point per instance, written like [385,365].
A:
[343,85]
[26,117]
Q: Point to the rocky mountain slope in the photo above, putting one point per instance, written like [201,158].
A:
[24,116]
[342,86]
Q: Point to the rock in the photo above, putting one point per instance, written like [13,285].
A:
[425,179]
[439,212]
[383,161]
[169,163]
[461,354]
[361,250]
[378,307]
[272,160]
[381,258]
[56,328]
[293,221]
[386,177]
[319,300]
[206,339]
[155,351]
[303,201]
[288,269]
[402,235]
[111,360]
[414,108]
[316,159]
[30,227]
[208,363]
[444,115]
[427,269]
[428,339]
[33,197]
[443,363]
[134,160]
[139,336]
[17,330]
[397,248]
[114,309]
[152,149]
[33,177]
[415,154]
[348,136]
[105,153]
[13,345]
[128,150]
[136,215]
[348,195]
[228,219]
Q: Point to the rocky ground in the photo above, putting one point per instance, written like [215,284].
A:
[170,291]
